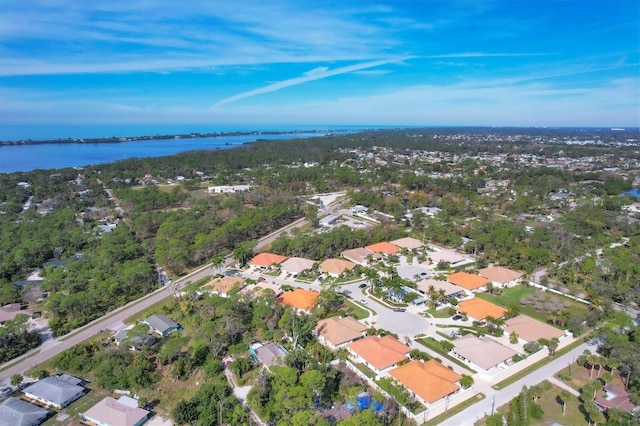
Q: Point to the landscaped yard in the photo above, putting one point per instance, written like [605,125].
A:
[534,302]
[356,311]
[551,403]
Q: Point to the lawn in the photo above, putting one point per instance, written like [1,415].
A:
[515,295]
[551,403]
[356,311]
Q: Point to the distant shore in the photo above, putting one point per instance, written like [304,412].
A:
[122,139]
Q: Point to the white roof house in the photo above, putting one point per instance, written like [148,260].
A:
[55,391]
[16,412]
[116,412]
[295,265]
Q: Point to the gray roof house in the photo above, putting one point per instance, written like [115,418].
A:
[268,355]
[56,391]
[162,324]
[16,412]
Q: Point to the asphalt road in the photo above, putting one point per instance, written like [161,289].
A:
[53,347]
[494,399]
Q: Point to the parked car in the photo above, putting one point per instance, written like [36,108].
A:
[399,309]
[456,317]
[363,285]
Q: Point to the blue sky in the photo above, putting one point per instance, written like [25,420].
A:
[432,63]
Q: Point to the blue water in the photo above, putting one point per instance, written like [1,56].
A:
[22,158]
[634,192]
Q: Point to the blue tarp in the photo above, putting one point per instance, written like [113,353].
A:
[364,402]
[376,407]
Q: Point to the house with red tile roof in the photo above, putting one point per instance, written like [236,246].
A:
[337,332]
[428,381]
[501,277]
[384,247]
[267,260]
[299,298]
[379,353]
[479,309]
[471,282]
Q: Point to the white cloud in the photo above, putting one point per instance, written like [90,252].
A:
[315,74]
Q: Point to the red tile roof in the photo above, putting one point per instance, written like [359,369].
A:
[299,299]
[468,281]
[429,380]
[265,260]
[382,352]
[384,248]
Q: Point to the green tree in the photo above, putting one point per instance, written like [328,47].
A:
[16,379]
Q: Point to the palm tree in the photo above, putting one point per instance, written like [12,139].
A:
[217,261]
[564,396]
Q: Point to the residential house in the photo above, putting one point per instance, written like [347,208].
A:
[295,265]
[328,220]
[359,209]
[336,332]
[450,257]
[335,267]
[408,243]
[428,381]
[384,248]
[615,397]
[227,189]
[162,324]
[266,260]
[268,355]
[16,412]
[134,343]
[224,286]
[471,282]
[56,391]
[379,353]
[450,291]
[11,311]
[361,256]
[255,290]
[300,299]
[530,329]
[116,412]
[479,309]
[483,352]
[501,277]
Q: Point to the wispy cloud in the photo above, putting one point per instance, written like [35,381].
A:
[315,74]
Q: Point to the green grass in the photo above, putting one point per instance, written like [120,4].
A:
[551,404]
[455,410]
[439,313]
[365,370]
[431,343]
[356,311]
[512,296]
[533,367]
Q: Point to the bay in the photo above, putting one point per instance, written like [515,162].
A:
[23,158]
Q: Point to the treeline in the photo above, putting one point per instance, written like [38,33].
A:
[330,244]
[16,339]
[112,274]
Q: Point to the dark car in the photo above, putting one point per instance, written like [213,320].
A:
[399,309]
[456,317]
[363,285]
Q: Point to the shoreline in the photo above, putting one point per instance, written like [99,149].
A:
[124,139]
